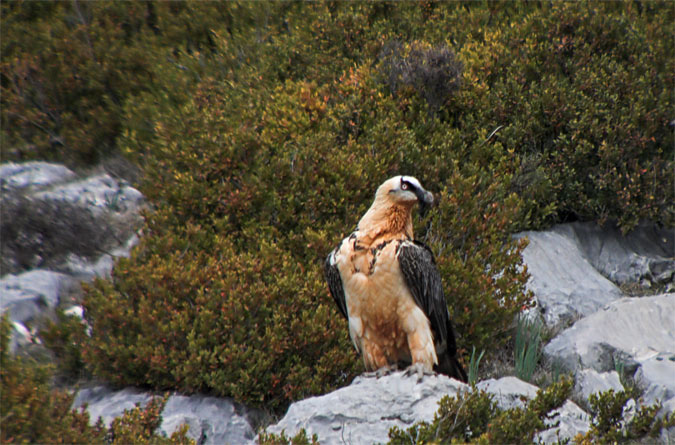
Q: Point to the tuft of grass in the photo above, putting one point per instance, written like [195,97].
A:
[527,348]
[474,364]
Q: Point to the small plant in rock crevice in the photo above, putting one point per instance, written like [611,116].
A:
[474,364]
[527,347]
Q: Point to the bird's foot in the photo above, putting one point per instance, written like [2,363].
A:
[419,369]
[383,371]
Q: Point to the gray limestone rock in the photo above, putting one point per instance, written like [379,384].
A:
[571,420]
[211,420]
[575,268]
[86,270]
[631,329]
[98,193]
[565,283]
[656,376]
[27,295]
[508,391]
[646,253]
[639,333]
[589,381]
[32,174]
[56,231]
[107,404]
[364,411]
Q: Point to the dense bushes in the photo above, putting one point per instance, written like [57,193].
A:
[585,100]
[65,83]
[264,129]
[191,312]
[581,93]
[473,417]
[225,293]
[32,412]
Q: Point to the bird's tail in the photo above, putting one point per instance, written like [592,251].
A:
[450,366]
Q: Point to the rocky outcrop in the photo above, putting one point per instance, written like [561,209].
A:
[57,230]
[590,381]
[644,256]
[364,411]
[211,420]
[636,334]
[565,283]
[576,269]
[578,272]
[627,331]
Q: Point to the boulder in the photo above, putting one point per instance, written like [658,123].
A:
[636,333]
[27,295]
[576,268]
[98,193]
[509,392]
[107,404]
[564,282]
[630,329]
[656,377]
[86,270]
[364,411]
[644,255]
[590,381]
[57,230]
[210,420]
[32,174]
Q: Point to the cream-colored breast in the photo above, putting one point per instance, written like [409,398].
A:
[381,309]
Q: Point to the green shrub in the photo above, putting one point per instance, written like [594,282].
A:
[64,85]
[137,426]
[217,320]
[473,417]
[583,93]
[64,337]
[608,424]
[281,439]
[33,412]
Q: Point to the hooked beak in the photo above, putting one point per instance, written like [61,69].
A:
[426,200]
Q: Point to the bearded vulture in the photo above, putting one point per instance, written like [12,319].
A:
[388,287]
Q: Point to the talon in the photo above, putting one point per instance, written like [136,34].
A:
[385,370]
[419,369]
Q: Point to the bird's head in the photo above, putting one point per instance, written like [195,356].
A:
[405,190]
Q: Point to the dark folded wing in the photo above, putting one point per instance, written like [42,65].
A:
[424,282]
[334,280]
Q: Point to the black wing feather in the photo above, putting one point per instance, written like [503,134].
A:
[424,282]
[334,280]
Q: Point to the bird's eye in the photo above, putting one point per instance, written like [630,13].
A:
[404,186]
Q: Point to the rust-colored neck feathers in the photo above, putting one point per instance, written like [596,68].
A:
[387,219]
